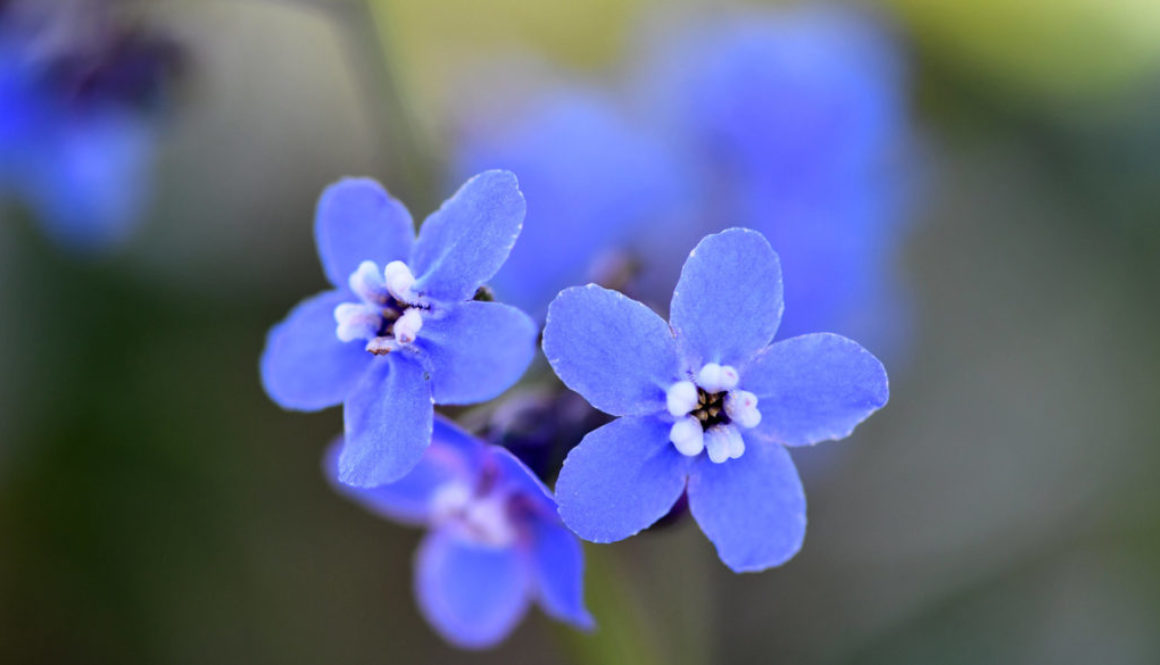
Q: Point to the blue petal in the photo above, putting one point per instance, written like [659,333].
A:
[472,595]
[752,508]
[728,302]
[620,479]
[356,221]
[454,456]
[516,477]
[815,388]
[90,178]
[477,351]
[304,365]
[559,570]
[611,349]
[465,242]
[388,420]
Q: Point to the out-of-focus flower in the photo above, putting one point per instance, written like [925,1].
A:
[80,93]
[410,331]
[495,541]
[796,124]
[706,404]
[591,179]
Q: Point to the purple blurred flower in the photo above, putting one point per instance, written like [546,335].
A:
[410,332]
[706,404]
[495,542]
[797,126]
[79,100]
[592,180]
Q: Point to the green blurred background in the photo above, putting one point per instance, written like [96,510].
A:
[156,507]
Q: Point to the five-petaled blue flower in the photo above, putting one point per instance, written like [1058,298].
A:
[707,405]
[401,330]
[495,542]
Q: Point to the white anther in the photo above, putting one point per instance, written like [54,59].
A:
[368,283]
[723,442]
[681,398]
[688,436]
[717,443]
[715,378]
[741,407]
[399,281]
[408,326]
[381,345]
[356,321]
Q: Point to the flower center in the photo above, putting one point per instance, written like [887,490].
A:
[711,413]
[479,515]
[389,314]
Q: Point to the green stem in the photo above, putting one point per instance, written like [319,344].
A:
[412,161]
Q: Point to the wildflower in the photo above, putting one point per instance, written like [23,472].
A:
[80,92]
[706,405]
[495,542]
[401,330]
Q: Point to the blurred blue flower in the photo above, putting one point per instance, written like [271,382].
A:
[706,404]
[495,541]
[78,99]
[797,126]
[591,179]
[410,332]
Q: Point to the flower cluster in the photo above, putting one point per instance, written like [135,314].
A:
[699,411]
[705,404]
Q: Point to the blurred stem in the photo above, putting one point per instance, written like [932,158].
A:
[621,636]
[662,616]
[411,161]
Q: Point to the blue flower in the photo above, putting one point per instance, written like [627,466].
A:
[591,178]
[495,541]
[707,405]
[77,130]
[797,123]
[409,333]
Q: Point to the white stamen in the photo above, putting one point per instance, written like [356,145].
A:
[483,520]
[681,398]
[715,378]
[408,326]
[718,442]
[488,522]
[741,407]
[356,321]
[736,444]
[368,283]
[399,281]
[381,345]
[688,436]
[449,500]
